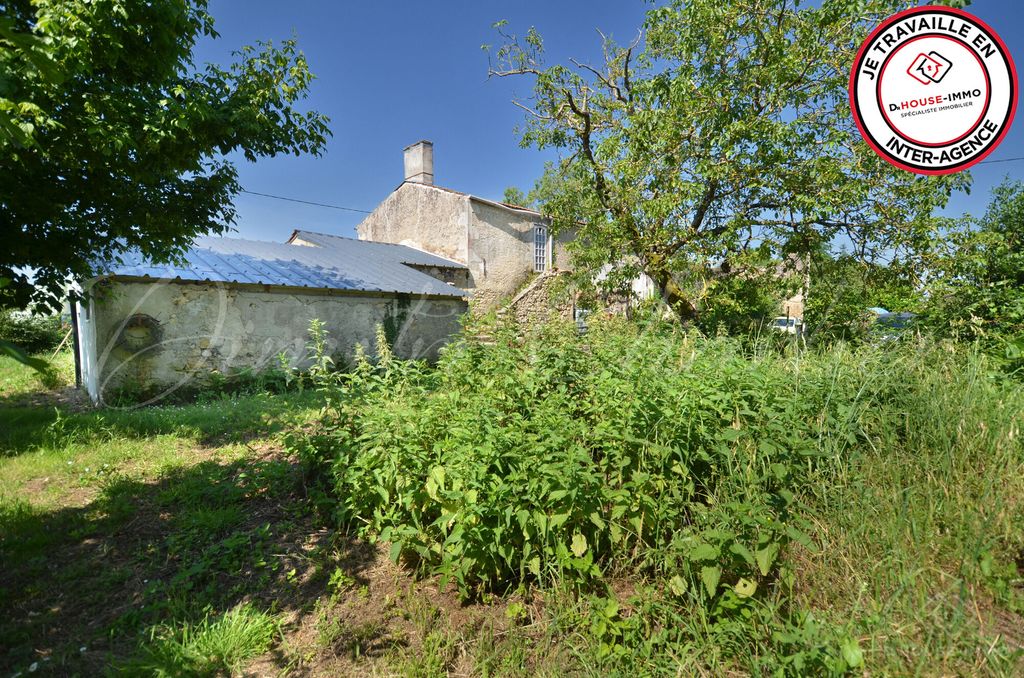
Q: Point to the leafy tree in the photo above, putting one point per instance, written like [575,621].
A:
[515,196]
[977,285]
[722,127]
[111,138]
[847,286]
[742,303]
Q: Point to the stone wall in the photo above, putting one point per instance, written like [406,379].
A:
[793,307]
[500,253]
[456,277]
[545,298]
[160,336]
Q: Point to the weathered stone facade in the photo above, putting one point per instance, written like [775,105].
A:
[494,240]
[162,335]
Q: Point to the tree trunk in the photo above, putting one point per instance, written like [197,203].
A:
[676,298]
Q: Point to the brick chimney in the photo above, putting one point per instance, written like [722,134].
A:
[419,163]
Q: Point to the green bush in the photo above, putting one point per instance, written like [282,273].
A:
[33,333]
[976,287]
[564,456]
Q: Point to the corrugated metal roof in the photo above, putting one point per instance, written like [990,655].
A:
[358,266]
[404,254]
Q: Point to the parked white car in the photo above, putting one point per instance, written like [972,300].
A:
[787,325]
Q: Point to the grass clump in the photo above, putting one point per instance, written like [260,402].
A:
[707,473]
[213,646]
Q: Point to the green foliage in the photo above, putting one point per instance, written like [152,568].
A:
[112,138]
[515,196]
[726,128]
[689,464]
[9,348]
[32,333]
[22,334]
[563,479]
[977,288]
[525,462]
[844,287]
[322,371]
[743,303]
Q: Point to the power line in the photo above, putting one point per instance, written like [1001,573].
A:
[306,202]
[353,209]
[1001,160]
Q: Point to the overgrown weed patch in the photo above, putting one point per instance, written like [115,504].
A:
[710,471]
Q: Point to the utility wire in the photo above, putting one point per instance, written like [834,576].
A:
[1001,160]
[306,202]
[353,209]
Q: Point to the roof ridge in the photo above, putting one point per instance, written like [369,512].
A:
[224,237]
[471,196]
[455,262]
[329,235]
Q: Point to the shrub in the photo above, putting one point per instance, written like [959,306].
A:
[33,333]
[562,456]
[976,289]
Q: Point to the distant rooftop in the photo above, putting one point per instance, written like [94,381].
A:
[346,265]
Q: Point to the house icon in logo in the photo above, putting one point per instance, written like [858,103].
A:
[929,68]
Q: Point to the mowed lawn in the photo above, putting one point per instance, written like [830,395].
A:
[121,525]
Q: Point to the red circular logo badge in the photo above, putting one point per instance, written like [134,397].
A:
[933,90]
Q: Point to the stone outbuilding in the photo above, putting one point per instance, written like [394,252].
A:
[239,305]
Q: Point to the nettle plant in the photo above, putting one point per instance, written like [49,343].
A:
[563,457]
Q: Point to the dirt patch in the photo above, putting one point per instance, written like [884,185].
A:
[997,622]
[68,494]
[69,399]
[375,619]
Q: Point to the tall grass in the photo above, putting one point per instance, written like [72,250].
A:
[777,511]
[922,525]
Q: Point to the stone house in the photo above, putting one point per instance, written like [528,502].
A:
[502,246]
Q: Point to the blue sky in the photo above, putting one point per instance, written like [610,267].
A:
[391,73]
